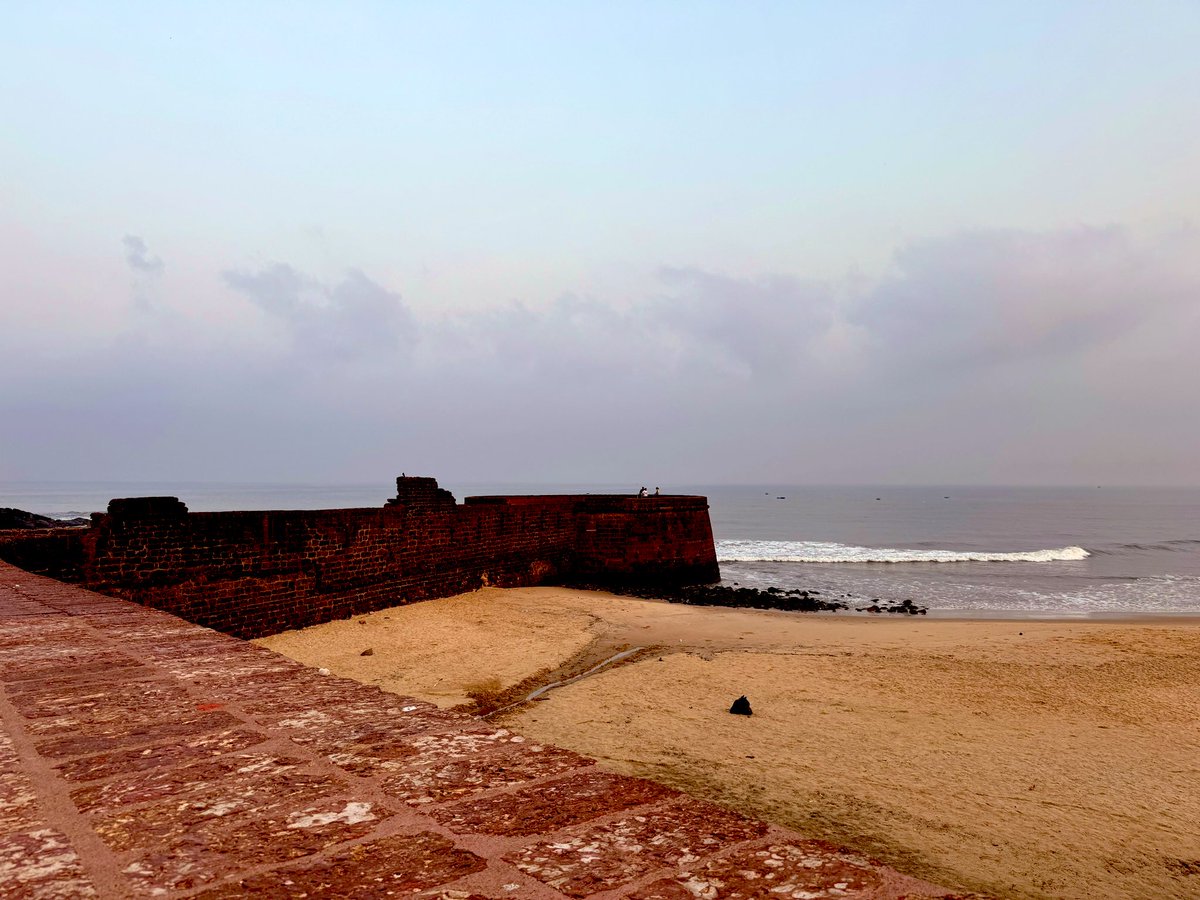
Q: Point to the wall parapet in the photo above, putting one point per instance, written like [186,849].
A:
[253,573]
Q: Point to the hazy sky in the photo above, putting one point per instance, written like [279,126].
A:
[656,243]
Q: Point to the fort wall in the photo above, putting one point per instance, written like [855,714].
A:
[251,574]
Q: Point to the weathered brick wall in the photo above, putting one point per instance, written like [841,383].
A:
[57,552]
[651,540]
[257,573]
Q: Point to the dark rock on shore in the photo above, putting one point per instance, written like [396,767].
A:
[723,595]
[795,600]
[905,607]
[19,518]
[741,707]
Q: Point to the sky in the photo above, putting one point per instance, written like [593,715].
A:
[662,243]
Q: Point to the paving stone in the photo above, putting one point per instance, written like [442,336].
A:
[112,736]
[195,858]
[389,867]
[237,678]
[590,858]
[9,761]
[18,798]
[65,669]
[41,865]
[138,759]
[449,766]
[298,690]
[14,606]
[21,634]
[369,751]
[207,656]
[547,807]
[83,700]
[18,804]
[182,782]
[209,808]
[811,870]
[150,707]
[146,632]
[334,729]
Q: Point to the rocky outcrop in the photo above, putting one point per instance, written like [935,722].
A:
[19,518]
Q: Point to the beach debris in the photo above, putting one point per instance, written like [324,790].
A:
[323,671]
[368,652]
[741,707]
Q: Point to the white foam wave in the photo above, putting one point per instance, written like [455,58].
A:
[827,552]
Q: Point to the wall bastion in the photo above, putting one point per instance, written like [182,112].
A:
[254,573]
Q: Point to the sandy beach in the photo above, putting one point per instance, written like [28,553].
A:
[1014,758]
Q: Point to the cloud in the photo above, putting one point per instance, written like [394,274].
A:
[985,356]
[980,298]
[352,319]
[751,327]
[693,324]
[138,258]
[966,301]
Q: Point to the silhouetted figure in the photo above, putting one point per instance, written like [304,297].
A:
[656,492]
[643,492]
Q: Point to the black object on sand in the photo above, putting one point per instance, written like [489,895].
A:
[741,707]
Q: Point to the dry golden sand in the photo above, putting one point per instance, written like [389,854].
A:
[1019,759]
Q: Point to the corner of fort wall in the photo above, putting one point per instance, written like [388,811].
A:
[251,574]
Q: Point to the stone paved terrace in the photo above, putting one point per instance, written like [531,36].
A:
[142,756]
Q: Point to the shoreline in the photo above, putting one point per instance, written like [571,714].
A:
[1015,757]
[999,615]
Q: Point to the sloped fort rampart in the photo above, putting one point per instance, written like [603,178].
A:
[251,574]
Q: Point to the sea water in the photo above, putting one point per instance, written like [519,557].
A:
[980,551]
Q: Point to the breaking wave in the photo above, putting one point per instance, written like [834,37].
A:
[826,552]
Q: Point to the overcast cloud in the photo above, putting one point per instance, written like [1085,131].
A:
[348,320]
[1072,350]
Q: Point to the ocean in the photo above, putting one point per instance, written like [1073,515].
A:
[974,551]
